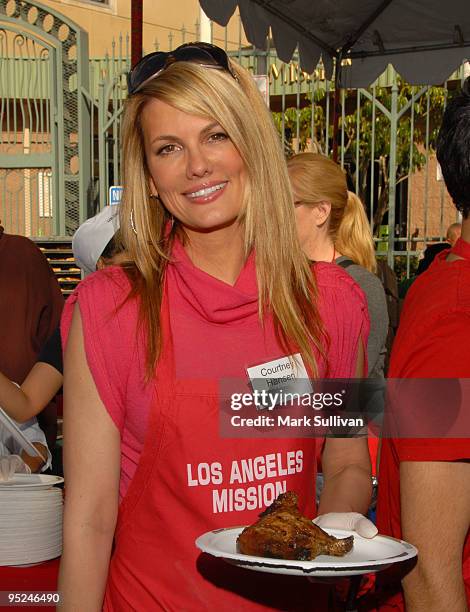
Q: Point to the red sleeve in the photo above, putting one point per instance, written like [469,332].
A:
[109,323]
[444,353]
[443,350]
[343,308]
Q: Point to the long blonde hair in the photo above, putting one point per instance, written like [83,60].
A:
[286,285]
[317,178]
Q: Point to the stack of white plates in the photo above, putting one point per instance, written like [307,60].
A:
[30,519]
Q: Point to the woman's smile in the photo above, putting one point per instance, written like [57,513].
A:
[207,192]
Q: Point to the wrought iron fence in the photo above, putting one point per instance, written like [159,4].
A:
[44,161]
[385,139]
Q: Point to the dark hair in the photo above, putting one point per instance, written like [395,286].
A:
[453,149]
[430,253]
[113,247]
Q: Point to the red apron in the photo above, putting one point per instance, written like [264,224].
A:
[187,483]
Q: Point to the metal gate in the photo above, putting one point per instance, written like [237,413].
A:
[386,141]
[44,121]
[60,120]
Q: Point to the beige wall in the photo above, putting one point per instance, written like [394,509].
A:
[161,18]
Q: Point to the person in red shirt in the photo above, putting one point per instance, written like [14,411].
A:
[424,483]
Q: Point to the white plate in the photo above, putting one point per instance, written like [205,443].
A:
[366,556]
[27,503]
[41,530]
[14,510]
[29,481]
[32,545]
[25,499]
[13,494]
[33,558]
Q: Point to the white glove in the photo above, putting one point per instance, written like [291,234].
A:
[349,521]
[12,464]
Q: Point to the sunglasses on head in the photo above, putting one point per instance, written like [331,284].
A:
[153,64]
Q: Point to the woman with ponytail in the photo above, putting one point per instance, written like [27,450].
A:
[333,226]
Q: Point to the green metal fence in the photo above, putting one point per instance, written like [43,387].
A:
[385,139]
[44,157]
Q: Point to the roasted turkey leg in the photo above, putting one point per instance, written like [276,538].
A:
[283,533]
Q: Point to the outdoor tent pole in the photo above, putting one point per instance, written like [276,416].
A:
[335,123]
[136,30]
[336,106]
[205,27]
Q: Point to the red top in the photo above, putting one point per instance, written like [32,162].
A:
[189,478]
[216,333]
[433,341]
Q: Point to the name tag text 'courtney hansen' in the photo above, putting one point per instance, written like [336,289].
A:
[304,421]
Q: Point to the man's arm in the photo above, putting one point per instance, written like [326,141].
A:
[435,515]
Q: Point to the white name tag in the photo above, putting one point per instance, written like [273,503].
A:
[287,374]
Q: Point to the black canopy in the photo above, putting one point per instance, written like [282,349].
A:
[425,40]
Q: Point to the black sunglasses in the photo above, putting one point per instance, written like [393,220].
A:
[153,64]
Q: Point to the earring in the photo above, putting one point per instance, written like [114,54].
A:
[132,222]
[154,196]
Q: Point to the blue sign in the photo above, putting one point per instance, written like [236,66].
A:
[115,195]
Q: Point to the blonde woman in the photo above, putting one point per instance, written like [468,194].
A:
[218,283]
[333,226]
